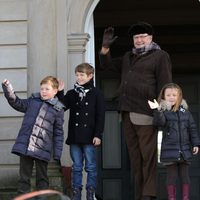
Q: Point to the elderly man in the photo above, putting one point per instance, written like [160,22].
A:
[144,70]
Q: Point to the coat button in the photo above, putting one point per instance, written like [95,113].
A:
[77,113]
[86,103]
[85,125]
[76,124]
[86,114]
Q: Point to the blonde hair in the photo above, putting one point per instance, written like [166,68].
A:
[85,68]
[53,81]
[180,95]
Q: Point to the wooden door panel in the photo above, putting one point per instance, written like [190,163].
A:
[111,141]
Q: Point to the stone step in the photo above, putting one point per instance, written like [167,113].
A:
[56,182]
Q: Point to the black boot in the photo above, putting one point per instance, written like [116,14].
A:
[90,193]
[76,194]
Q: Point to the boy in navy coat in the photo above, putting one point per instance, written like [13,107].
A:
[41,133]
[86,123]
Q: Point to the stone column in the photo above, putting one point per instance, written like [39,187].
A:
[47,55]
[41,41]
[76,53]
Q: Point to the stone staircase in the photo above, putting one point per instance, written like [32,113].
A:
[56,181]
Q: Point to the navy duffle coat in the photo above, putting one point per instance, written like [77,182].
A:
[86,117]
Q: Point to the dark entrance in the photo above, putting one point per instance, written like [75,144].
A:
[177,30]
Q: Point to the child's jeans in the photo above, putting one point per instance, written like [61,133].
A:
[79,154]
[26,168]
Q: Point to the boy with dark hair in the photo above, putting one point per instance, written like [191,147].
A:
[85,128]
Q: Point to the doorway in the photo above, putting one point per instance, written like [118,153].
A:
[177,29]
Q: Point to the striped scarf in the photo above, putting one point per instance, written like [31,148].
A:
[82,90]
[145,49]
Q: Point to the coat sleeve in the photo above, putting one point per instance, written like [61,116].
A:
[109,63]
[100,115]
[194,136]
[159,118]
[163,70]
[60,95]
[58,135]
[64,99]
[15,102]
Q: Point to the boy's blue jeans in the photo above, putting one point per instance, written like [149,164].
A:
[79,154]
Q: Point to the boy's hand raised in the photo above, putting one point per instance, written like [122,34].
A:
[61,85]
[7,83]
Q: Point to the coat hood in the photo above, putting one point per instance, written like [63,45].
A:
[164,105]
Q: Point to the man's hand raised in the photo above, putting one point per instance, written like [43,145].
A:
[108,37]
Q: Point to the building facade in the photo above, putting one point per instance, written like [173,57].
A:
[38,38]
[50,37]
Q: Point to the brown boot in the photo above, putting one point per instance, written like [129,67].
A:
[185,191]
[171,192]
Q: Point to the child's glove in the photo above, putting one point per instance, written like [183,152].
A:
[195,150]
[9,86]
[153,105]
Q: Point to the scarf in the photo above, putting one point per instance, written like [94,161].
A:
[82,90]
[145,49]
